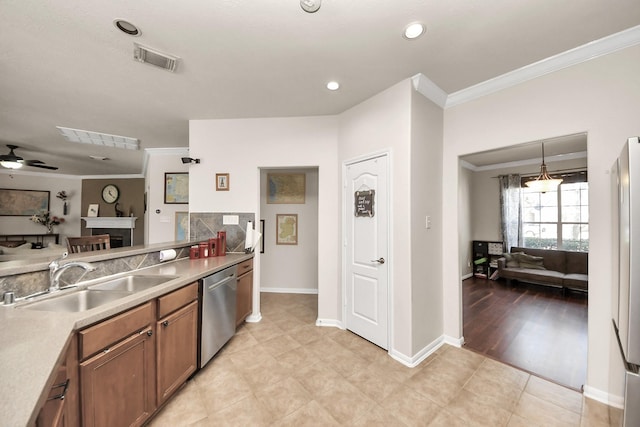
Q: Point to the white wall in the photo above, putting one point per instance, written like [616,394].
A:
[160,227]
[426,200]
[383,123]
[601,97]
[44,182]
[241,147]
[290,268]
[465,210]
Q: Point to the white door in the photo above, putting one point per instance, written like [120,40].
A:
[367,262]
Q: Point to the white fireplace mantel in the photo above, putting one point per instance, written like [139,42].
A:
[111,222]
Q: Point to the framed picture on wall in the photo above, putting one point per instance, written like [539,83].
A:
[176,188]
[23,202]
[285,188]
[286,229]
[222,182]
[182,226]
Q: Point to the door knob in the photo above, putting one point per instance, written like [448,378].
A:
[379,260]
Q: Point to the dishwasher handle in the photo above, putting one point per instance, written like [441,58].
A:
[217,284]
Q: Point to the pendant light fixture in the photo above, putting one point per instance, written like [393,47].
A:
[543,182]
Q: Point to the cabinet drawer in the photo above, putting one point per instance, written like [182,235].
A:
[176,299]
[104,334]
[245,266]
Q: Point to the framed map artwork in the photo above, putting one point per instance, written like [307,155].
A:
[285,188]
[182,226]
[286,229]
[23,202]
[176,187]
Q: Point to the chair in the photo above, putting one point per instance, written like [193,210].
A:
[88,243]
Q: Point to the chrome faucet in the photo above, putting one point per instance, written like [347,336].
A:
[56,270]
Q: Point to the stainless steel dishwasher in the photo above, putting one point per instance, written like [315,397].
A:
[218,312]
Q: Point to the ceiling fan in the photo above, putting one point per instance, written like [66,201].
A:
[11,161]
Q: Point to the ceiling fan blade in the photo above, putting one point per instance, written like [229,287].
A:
[43,166]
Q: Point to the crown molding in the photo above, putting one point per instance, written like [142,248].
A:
[527,162]
[429,89]
[48,175]
[580,54]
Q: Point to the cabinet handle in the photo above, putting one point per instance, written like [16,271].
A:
[165,323]
[149,333]
[64,390]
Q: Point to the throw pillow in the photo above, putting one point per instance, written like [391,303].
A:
[512,259]
[530,261]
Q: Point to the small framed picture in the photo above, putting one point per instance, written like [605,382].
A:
[92,212]
[222,182]
[286,229]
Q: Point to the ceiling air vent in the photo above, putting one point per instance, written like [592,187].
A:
[153,57]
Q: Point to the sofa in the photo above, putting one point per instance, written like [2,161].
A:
[550,267]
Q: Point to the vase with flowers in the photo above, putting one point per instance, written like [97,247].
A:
[46,219]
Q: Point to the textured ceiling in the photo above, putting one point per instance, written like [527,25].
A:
[65,64]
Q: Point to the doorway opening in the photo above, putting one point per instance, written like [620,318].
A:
[541,329]
[289,226]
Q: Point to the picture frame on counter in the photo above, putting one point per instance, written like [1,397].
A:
[222,182]
[286,229]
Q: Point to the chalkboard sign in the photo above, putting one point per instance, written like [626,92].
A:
[364,203]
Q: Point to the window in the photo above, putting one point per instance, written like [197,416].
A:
[556,219]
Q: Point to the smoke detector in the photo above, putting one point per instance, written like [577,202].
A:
[151,56]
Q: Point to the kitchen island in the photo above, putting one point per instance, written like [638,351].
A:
[34,342]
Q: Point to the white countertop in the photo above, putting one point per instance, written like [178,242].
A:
[32,342]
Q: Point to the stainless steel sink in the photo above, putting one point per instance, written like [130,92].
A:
[77,301]
[132,283]
[96,295]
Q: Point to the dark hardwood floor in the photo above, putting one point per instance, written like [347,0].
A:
[534,328]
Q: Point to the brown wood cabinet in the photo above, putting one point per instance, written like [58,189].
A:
[61,407]
[118,383]
[117,369]
[177,342]
[244,294]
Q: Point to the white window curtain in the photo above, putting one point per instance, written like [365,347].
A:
[511,210]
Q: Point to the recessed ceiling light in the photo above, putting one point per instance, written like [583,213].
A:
[104,139]
[310,6]
[126,27]
[413,31]
[333,85]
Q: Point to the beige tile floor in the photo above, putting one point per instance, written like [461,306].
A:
[285,371]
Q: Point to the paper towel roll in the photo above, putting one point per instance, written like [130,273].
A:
[248,241]
[167,255]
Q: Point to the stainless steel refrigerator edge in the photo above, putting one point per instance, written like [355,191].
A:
[626,318]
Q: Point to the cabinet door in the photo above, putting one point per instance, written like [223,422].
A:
[118,385]
[61,407]
[177,344]
[244,297]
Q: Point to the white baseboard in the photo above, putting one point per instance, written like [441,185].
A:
[330,323]
[456,342]
[603,397]
[417,358]
[290,290]
[467,276]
